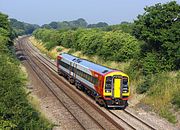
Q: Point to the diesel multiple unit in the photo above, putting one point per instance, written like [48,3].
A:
[109,87]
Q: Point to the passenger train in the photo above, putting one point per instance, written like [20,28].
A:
[109,87]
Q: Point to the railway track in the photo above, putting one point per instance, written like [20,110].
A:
[39,75]
[139,123]
[140,120]
[34,63]
[52,67]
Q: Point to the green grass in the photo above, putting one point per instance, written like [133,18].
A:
[162,93]
[166,113]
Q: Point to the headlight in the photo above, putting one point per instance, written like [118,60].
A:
[107,91]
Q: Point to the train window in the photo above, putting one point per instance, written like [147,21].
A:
[65,65]
[86,76]
[95,81]
[81,74]
[125,81]
[89,78]
[77,72]
[108,82]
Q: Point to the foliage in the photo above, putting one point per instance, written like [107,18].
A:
[66,24]
[15,111]
[124,26]
[98,25]
[21,28]
[164,90]
[159,27]
[176,96]
[144,87]
[79,23]
[59,49]
[176,99]
[112,45]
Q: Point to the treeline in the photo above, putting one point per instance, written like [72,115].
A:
[22,28]
[111,45]
[15,111]
[79,23]
[124,26]
[66,24]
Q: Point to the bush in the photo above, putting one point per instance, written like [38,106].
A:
[145,86]
[50,45]
[150,64]
[176,96]
[59,49]
[176,100]
[15,111]
[159,28]
[112,45]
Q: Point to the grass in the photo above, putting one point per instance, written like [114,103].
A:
[34,100]
[52,54]
[161,94]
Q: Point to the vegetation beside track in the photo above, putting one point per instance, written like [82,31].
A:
[152,58]
[15,110]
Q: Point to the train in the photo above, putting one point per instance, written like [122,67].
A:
[109,87]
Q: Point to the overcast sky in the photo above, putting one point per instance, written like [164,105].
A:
[93,11]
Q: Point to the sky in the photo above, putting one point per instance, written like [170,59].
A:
[93,11]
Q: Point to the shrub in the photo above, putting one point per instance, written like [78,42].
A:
[145,86]
[15,111]
[59,49]
[49,45]
[176,99]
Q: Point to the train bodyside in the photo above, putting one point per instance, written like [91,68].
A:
[109,87]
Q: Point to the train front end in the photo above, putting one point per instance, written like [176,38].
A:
[116,89]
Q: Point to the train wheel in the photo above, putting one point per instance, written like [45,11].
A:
[70,79]
[59,72]
[78,85]
[99,101]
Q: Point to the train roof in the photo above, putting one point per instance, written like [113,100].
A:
[93,66]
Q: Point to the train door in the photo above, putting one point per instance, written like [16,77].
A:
[116,86]
[71,69]
[75,70]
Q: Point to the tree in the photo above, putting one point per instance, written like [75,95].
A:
[54,25]
[98,25]
[21,28]
[159,27]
